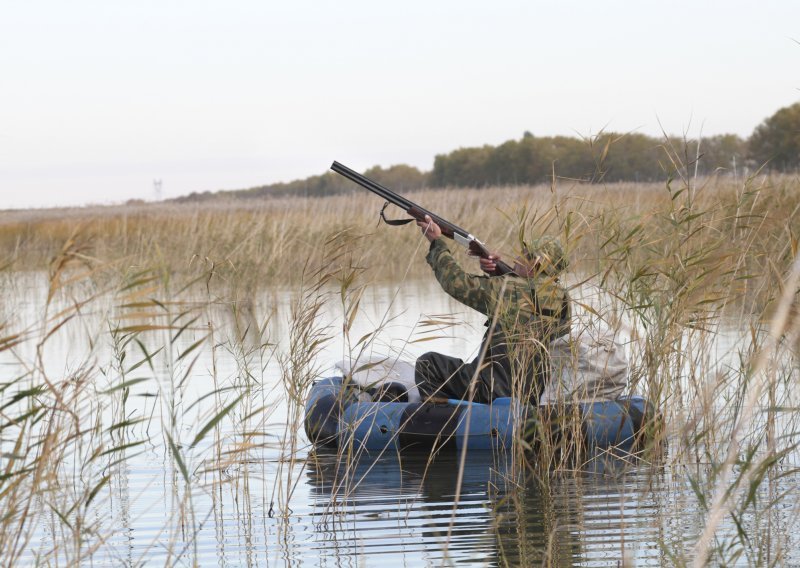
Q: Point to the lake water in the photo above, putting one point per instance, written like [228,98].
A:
[252,491]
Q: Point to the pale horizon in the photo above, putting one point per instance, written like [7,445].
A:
[98,101]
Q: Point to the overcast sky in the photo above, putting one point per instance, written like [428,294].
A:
[99,98]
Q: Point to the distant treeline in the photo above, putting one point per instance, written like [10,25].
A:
[608,157]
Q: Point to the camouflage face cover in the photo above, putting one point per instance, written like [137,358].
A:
[550,254]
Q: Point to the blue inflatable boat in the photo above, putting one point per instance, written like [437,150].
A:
[337,415]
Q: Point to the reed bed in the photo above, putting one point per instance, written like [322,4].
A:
[673,268]
[266,242]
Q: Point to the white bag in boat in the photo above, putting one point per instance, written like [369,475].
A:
[587,364]
[377,373]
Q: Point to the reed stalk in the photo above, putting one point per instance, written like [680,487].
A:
[697,277]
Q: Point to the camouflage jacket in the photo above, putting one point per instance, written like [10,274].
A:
[530,312]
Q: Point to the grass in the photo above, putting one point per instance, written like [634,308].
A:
[674,269]
[265,243]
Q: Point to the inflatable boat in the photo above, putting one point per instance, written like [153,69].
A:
[337,413]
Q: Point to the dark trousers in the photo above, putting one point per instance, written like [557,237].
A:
[441,376]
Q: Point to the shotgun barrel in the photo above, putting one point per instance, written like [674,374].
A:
[450,230]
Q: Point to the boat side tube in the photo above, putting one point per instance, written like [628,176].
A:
[336,416]
[400,426]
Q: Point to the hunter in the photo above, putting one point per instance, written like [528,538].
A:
[526,310]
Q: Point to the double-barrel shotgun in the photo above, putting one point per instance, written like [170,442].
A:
[465,238]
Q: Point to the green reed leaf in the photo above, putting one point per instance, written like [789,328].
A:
[214,392]
[214,421]
[125,385]
[61,516]
[177,454]
[125,424]
[191,348]
[183,328]
[118,448]
[96,489]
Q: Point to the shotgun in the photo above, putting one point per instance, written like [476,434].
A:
[459,235]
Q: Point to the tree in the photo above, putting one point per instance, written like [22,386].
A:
[776,141]
[399,177]
[465,167]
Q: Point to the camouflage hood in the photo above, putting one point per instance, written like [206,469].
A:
[549,253]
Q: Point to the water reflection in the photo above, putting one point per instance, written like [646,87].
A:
[404,510]
[402,506]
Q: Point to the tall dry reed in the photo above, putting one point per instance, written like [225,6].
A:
[680,270]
